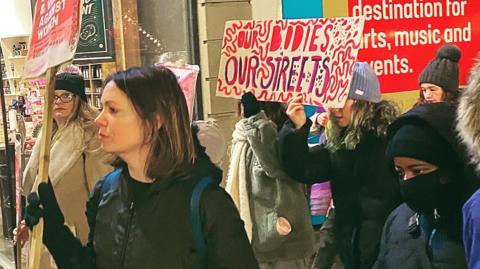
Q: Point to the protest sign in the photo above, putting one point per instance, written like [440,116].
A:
[278,59]
[402,36]
[53,41]
[55,32]
[187,79]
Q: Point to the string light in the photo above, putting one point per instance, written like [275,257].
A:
[148,35]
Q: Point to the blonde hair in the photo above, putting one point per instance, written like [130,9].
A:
[82,113]
[366,117]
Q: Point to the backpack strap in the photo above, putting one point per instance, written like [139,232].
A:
[198,238]
[109,180]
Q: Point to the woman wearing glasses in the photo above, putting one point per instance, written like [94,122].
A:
[76,159]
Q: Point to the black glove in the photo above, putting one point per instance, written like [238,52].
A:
[52,215]
[33,212]
[250,104]
[58,238]
[50,211]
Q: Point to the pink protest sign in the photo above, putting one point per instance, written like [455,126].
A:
[278,59]
[187,79]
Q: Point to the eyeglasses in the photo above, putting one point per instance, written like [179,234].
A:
[65,97]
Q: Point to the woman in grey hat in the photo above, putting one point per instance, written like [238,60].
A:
[439,79]
[364,190]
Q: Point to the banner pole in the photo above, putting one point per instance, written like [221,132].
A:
[37,234]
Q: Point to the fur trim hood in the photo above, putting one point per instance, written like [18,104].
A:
[468,115]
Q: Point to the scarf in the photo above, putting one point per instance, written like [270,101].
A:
[236,184]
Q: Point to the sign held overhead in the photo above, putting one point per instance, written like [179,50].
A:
[278,59]
[55,32]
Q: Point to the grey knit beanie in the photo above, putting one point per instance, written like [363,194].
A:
[443,70]
[365,85]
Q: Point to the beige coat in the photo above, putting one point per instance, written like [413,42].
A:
[76,164]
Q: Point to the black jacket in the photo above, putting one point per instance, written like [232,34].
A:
[156,231]
[408,245]
[364,188]
[441,117]
[424,244]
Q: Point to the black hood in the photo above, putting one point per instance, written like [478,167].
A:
[439,116]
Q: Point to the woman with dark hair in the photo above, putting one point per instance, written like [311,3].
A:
[145,214]
[363,188]
[439,79]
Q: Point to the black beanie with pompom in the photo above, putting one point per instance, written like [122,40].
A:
[443,70]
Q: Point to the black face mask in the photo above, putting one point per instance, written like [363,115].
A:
[423,193]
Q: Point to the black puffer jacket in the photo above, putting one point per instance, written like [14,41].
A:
[364,188]
[408,245]
[156,231]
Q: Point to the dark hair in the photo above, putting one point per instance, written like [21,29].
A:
[450,97]
[154,92]
[276,112]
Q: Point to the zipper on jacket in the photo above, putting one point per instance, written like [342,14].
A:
[125,243]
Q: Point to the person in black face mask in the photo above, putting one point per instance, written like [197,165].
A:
[425,231]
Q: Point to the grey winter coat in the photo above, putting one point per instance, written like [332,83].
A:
[273,195]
